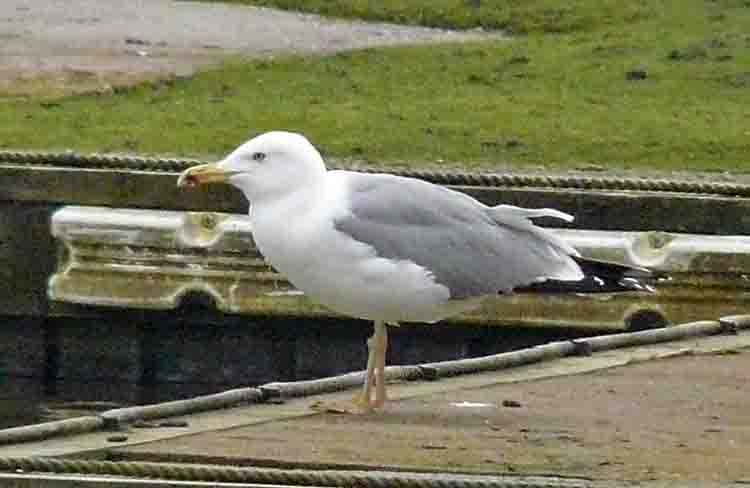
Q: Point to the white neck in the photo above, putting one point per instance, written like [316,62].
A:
[285,208]
[282,226]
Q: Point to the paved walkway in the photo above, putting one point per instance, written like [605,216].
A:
[80,44]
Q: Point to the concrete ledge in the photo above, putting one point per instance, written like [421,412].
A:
[158,259]
[45,182]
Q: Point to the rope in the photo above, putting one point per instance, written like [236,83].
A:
[45,430]
[503,360]
[336,383]
[96,161]
[586,346]
[202,403]
[575,182]
[176,165]
[300,477]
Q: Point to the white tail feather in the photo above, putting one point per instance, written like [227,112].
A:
[518,218]
[530,213]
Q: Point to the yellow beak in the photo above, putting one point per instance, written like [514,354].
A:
[202,174]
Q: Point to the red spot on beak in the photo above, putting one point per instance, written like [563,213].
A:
[191,181]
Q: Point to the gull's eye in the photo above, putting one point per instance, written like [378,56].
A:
[259,156]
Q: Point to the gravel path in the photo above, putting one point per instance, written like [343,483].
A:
[80,43]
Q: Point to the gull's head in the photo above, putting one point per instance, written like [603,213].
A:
[270,165]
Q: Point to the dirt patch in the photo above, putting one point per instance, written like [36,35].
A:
[84,45]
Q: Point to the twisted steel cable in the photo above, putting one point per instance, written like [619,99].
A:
[270,476]
[176,165]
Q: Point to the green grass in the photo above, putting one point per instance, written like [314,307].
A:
[560,100]
[517,16]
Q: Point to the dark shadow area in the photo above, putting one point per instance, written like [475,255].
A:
[68,367]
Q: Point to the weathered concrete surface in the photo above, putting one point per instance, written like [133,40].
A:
[683,418]
[82,45]
[155,258]
[31,189]
[27,257]
[671,412]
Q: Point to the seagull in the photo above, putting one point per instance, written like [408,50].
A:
[391,249]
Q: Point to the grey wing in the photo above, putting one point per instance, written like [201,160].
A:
[459,240]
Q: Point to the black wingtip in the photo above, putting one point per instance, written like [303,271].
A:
[599,277]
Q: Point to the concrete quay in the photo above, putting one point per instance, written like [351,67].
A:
[666,414]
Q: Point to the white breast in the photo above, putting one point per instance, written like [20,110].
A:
[332,269]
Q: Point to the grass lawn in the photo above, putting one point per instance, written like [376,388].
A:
[516,16]
[657,84]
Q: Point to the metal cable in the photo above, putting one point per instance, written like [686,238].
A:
[303,477]
[176,165]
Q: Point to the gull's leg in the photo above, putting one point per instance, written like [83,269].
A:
[363,399]
[374,377]
[381,347]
